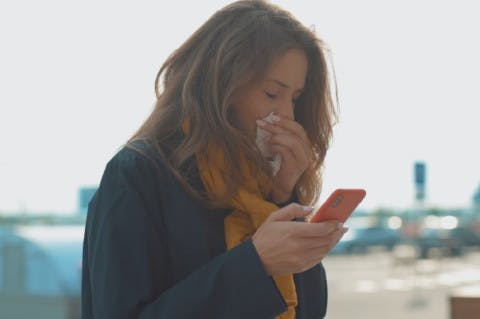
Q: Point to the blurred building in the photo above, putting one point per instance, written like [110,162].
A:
[419,176]
[40,272]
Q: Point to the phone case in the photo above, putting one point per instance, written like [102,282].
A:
[339,205]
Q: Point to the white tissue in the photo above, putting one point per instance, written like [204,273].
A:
[274,160]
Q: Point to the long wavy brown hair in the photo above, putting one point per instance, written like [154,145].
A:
[234,47]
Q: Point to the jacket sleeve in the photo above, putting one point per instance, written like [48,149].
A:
[128,261]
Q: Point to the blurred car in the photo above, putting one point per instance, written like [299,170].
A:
[444,234]
[359,240]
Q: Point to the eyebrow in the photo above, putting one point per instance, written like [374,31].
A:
[283,84]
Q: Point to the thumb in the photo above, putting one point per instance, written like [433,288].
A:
[290,212]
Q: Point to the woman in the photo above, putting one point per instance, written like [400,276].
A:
[191,219]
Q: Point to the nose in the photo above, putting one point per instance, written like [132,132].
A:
[286,109]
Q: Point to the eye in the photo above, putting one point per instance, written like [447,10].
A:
[271,95]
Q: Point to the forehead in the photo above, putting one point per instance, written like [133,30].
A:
[289,68]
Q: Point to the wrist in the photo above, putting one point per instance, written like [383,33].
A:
[260,257]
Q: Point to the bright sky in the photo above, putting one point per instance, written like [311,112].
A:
[77,78]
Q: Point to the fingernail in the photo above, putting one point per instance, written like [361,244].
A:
[307,208]
[261,123]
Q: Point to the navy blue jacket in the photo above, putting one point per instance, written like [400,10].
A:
[150,251]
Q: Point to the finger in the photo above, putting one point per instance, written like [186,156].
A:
[298,149]
[289,212]
[315,243]
[327,232]
[290,125]
[315,256]
[279,135]
[316,230]
[287,155]
[336,237]
[275,129]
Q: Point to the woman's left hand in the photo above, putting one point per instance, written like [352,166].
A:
[290,140]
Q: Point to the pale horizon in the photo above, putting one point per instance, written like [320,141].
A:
[77,80]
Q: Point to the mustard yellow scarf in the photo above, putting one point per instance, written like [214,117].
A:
[250,211]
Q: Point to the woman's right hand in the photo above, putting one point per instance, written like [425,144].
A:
[287,247]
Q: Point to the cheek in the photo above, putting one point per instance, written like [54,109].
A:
[246,120]
[245,114]
[247,108]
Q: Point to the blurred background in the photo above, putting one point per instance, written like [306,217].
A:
[77,80]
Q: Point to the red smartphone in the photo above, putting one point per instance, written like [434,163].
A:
[339,205]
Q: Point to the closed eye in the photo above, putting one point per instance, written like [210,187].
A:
[270,95]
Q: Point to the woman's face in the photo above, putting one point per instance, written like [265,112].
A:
[277,92]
